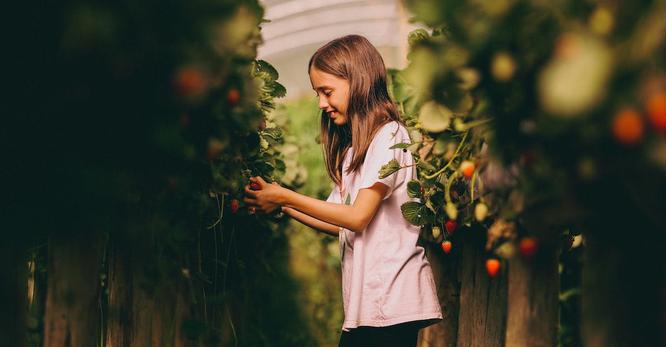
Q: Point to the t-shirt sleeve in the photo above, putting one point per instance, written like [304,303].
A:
[334,196]
[379,154]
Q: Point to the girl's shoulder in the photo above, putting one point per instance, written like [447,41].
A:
[391,132]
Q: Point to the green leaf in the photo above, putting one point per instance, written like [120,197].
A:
[414,148]
[400,145]
[415,135]
[275,133]
[426,166]
[428,216]
[389,168]
[400,91]
[417,36]
[279,91]
[458,100]
[414,189]
[264,66]
[412,212]
[440,146]
[263,167]
[280,165]
[437,199]
[434,117]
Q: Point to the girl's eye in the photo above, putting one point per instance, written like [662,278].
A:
[327,93]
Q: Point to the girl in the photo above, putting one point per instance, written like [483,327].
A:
[387,283]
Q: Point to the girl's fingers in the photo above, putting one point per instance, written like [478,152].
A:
[250,192]
[258,181]
[250,201]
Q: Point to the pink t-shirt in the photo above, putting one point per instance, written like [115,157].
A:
[386,277]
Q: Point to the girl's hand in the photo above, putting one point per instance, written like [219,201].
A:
[264,200]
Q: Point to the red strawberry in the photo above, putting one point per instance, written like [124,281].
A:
[450,226]
[492,267]
[262,125]
[467,167]
[234,206]
[627,127]
[446,246]
[190,81]
[528,246]
[255,186]
[656,110]
[233,97]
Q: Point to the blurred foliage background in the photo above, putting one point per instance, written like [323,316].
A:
[314,257]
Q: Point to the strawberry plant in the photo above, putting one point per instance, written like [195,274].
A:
[153,119]
[558,107]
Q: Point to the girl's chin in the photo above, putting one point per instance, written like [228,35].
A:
[337,118]
[338,121]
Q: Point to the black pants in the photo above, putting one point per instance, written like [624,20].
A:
[399,335]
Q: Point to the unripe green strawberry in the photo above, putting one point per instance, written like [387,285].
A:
[451,211]
[503,66]
[436,231]
[480,212]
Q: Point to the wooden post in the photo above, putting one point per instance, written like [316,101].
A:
[445,268]
[72,302]
[483,300]
[146,308]
[623,291]
[533,307]
[120,310]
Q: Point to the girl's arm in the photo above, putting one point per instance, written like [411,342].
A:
[354,217]
[314,223]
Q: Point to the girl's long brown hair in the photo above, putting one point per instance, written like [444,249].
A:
[355,59]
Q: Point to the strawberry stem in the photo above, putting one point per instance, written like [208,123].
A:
[447,188]
[455,154]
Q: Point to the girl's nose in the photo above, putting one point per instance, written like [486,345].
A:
[323,103]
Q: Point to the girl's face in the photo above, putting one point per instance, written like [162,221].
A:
[333,94]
